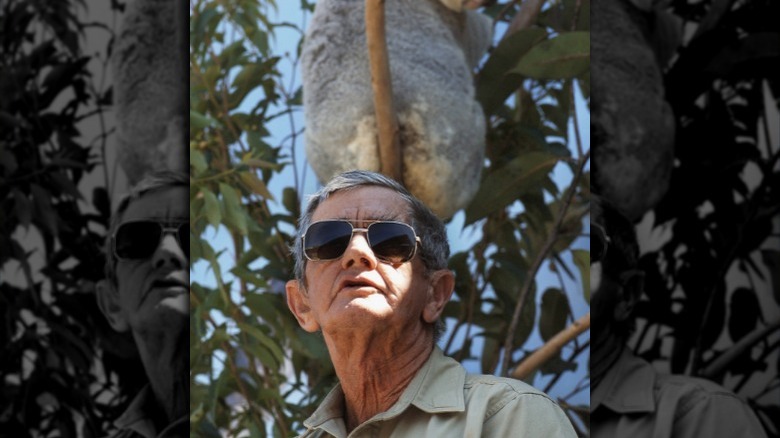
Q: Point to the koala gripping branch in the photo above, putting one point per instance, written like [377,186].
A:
[387,124]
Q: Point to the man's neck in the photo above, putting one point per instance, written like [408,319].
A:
[605,352]
[373,374]
[166,362]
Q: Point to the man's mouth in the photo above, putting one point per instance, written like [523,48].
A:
[357,283]
[169,286]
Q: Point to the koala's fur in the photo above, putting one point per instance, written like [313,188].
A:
[632,125]
[432,49]
[149,80]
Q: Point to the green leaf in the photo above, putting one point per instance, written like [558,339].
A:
[198,161]
[211,207]
[43,209]
[556,365]
[490,353]
[251,76]
[234,214]
[199,122]
[255,185]
[205,19]
[260,40]
[563,57]
[8,161]
[582,260]
[62,181]
[263,339]
[505,185]
[261,304]
[23,208]
[290,201]
[232,55]
[555,310]
[494,85]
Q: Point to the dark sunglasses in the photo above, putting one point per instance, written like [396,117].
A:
[599,243]
[139,239]
[392,242]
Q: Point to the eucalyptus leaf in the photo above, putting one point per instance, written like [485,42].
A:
[562,57]
[507,184]
[211,207]
[234,213]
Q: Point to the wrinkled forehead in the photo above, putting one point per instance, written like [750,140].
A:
[170,203]
[363,205]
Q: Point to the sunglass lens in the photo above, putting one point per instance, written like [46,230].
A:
[327,240]
[392,242]
[137,240]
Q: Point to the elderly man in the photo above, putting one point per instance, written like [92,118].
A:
[147,292]
[371,274]
[628,398]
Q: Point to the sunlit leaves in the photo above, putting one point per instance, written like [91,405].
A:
[241,342]
[495,81]
[505,185]
[212,208]
[562,57]
[58,348]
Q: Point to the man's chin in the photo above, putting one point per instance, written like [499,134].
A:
[179,303]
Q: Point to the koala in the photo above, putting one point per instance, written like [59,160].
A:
[632,125]
[149,88]
[433,46]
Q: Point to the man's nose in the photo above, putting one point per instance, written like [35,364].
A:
[359,251]
[169,252]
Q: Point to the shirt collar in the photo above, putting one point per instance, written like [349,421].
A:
[627,387]
[436,388]
[137,418]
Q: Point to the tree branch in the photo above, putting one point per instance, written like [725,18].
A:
[390,156]
[530,279]
[552,347]
[721,364]
[526,16]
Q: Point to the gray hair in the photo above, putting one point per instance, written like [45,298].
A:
[434,250]
[153,181]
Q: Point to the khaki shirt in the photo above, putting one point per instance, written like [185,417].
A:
[136,421]
[634,401]
[443,401]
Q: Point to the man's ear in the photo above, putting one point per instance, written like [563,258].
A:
[108,301]
[298,302]
[439,293]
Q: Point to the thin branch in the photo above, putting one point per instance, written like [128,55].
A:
[753,204]
[390,156]
[526,16]
[540,257]
[582,384]
[767,351]
[721,364]
[551,348]
[574,354]
[576,122]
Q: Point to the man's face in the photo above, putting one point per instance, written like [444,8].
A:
[358,290]
[154,291]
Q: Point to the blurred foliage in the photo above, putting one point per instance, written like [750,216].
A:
[253,369]
[723,204]
[64,371]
